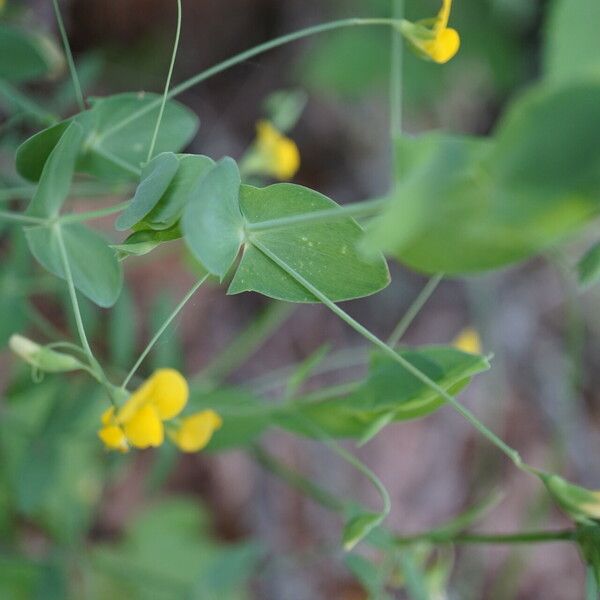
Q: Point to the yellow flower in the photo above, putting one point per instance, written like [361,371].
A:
[432,38]
[273,153]
[468,341]
[195,432]
[139,422]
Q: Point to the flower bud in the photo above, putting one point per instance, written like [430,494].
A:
[42,357]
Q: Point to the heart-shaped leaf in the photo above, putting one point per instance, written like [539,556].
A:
[324,253]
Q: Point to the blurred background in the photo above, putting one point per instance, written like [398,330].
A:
[160,525]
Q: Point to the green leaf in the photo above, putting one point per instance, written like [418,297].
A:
[588,268]
[358,528]
[465,205]
[155,179]
[390,393]
[143,242]
[96,271]
[57,175]
[32,154]
[25,56]
[581,504]
[572,47]
[212,224]
[323,253]
[167,212]
[118,132]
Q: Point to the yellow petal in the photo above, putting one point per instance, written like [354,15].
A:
[444,47]
[444,14]
[140,397]
[196,431]
[108,416]
[145,429]
[280,155]
[169,392]
[468,341]
[113,438]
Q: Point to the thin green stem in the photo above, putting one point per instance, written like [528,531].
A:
[6,215]
[358,209]
[467,414]
[396,64]
[414,309]
[95,368]
[527,537]
[73,294]
[167,84]
[161,330]
[94,214]
[246,55]
[69,55]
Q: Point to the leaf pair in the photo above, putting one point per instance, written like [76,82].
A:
[219,217]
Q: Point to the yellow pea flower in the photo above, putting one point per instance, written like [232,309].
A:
[139,422]
[272,154]
[195,432]
[468,341]
[432,38]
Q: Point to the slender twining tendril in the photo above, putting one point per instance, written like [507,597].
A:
[69,55]
[167,84]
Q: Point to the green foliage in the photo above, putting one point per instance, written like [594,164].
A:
[588,268]
[572,48]
[168,553]
[118,130]
[156,178]
[212,224]
[324,253]
[467,205]
[57,174]
[94,266]
[26,56]
[390,393]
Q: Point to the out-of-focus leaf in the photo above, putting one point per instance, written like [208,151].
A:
[390,393]
[588,268]
[25,56]
[572,47]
